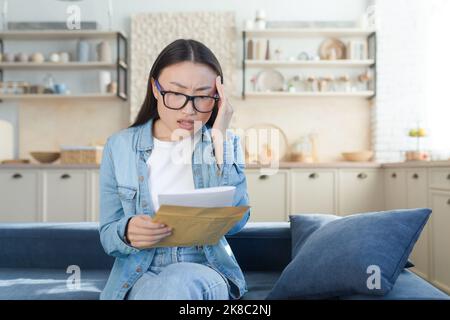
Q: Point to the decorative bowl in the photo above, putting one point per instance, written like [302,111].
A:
[45,156]
[359,156]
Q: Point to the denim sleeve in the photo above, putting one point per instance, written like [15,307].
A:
[112,218]
[233,174]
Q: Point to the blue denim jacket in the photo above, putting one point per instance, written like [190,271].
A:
[124,192]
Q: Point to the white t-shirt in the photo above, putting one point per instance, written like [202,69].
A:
[170,166]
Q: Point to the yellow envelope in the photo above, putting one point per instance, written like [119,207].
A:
[197,225]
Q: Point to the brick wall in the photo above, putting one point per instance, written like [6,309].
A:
[399,105]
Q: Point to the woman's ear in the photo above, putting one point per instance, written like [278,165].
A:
[154,89]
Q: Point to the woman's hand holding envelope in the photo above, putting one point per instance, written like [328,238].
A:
[142,232]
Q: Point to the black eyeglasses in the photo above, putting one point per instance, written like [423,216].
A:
[176,100]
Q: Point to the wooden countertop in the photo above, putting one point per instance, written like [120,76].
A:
[318,165]
[282,165]
[48,166]
[417,164]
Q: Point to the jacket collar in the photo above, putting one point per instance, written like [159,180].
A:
[145,135]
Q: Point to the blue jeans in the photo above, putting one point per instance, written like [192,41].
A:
[180,273]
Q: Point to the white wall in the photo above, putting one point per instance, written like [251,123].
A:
[342,124]
[400,103]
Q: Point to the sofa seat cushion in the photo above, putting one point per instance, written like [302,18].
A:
[408,286]
[49,284]
[260,283]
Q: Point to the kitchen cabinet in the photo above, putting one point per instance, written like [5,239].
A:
[417,197]
[66,195]
[95,195]
[440,238]
[440,178]
[395,189]
[19,196]
[360,190]
[268,195]
[313,191]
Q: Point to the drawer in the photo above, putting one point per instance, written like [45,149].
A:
[66,196]
[268,195]
[310,185]
[19,196]
[360,191]
[440,178]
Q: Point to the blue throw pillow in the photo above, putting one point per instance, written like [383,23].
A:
[339,256]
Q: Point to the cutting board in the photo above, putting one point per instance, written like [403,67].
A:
[6,140]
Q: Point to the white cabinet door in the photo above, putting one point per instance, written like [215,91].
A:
[313,191]
[440,238]
[395,189]
[417,195]
[19,196]
[440,178]
[66,194]
[95,195]
[268,195]
[360,190]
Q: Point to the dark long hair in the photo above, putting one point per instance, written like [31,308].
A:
[178,51]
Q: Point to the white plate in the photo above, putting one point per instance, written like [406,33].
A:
[269,80]
[261,135]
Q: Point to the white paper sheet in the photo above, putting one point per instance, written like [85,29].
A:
[204,197]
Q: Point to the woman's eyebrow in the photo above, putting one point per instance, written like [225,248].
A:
[184,87]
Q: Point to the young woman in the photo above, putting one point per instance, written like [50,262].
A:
[178,142]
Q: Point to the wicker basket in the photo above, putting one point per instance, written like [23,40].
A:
[81,155]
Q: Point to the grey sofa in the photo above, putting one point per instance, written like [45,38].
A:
[34,258]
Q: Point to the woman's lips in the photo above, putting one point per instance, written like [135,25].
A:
[186,124]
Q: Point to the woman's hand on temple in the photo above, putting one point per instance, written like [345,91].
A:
[143,233]
[222,122]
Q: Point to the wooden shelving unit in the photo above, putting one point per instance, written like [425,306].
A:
[120,65]
[319,63]
[54,65]
[331,94]
[58,34]
[309,32]
[57,96]
[369,34]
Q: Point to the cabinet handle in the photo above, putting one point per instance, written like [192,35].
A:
[415,176]
[448,177]
[17,176]
[362,175]
[65,176]
[263,177]
[394,175]
[313,176]
[448,202]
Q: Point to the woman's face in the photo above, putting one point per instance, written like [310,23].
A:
[190,78]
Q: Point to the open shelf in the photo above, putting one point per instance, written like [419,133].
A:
[120,66]
[356,94]
[319,63]
[370,63]
[56,65]
[309,32]
[58,34]
[57,96]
